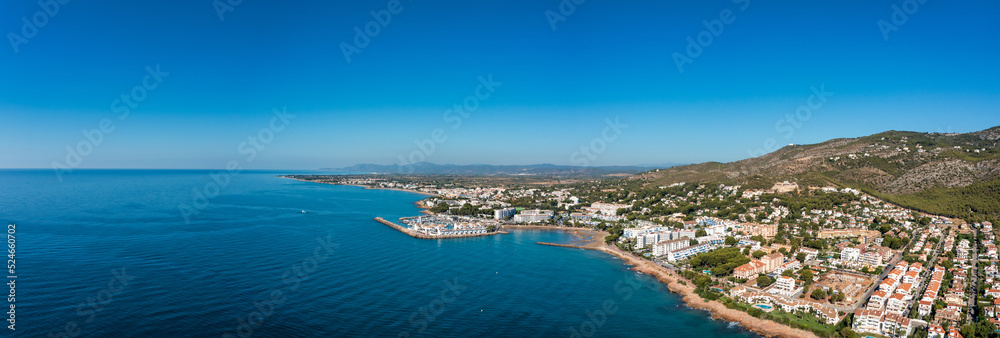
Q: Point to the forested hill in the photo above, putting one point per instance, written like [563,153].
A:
[956,175]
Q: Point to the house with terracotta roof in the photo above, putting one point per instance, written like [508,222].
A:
[949,314]
[868,321]
[896,273]
[750,270]
[935,331]
[772,261]
[888,285]
[896,304]
[924,307]
[877,300]
[894,324]
[905,289]
[879,322]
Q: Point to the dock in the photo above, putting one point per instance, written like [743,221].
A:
[417,234]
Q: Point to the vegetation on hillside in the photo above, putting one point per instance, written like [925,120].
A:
[721,262]
[974,203]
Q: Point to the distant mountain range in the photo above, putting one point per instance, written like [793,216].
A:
[427,168]
[951,174]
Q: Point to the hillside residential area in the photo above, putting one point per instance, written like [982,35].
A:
[834,261]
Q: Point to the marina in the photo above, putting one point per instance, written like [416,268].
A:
[437,226]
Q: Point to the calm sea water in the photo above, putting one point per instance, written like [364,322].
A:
[108,253]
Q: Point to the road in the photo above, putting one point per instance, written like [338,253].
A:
[885,272]
[925,277]
[972,277]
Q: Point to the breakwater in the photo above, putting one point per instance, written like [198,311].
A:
[421,235]
[563,245]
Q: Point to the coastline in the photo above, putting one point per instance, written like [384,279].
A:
[595,242]
[367,187]
[691,299]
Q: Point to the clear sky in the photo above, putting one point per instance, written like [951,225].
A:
[221,77]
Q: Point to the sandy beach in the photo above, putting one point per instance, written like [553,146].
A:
[665,276]
[594,240]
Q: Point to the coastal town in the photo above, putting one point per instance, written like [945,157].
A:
[828,260]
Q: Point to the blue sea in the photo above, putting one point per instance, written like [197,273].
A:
[178,253]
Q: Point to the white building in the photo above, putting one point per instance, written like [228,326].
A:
[642,241]
[850,254]
[504,213]
[533,216]
[662,248]
[785,285]
[810,253]
[684,253]
[609,209]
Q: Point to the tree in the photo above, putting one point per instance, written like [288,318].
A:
[693,242]
[819,294]
[847,332]
[764,281]
[730,240]
[968,331]
[615,233]
[788,273]
[700,233]
[801,256]
[440,207]
[839,296]
[806,274]
[758,254]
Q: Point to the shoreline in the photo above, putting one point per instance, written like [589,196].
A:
[716,309]
[367,187]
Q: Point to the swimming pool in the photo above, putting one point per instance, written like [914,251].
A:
[763,306]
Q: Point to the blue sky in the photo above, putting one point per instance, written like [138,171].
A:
[937,72]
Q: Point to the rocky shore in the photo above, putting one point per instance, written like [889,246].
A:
[718,310]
